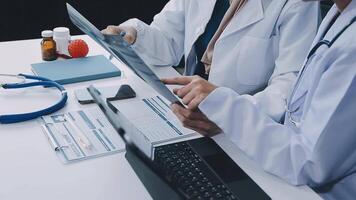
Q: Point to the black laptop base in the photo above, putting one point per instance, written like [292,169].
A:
[195,169]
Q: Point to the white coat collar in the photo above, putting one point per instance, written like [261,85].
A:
[343,20]
[324,24]
[206,8]
[250,14]
[326,21]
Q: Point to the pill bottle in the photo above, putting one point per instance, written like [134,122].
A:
[48,46]
[62,37]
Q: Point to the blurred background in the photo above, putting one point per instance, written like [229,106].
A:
[25,19]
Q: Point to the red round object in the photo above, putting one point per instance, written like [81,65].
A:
[78,48]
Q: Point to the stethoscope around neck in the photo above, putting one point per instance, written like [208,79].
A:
[289,109]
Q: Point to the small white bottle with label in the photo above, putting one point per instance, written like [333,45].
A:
[62,37]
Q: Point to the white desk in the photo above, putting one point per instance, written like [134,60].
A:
[29,169]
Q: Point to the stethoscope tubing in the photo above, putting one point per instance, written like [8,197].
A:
[327,43]
[41,81]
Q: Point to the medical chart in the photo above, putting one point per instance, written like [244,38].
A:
[81,134]
[154,118]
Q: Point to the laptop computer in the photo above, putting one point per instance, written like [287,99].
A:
[194,169]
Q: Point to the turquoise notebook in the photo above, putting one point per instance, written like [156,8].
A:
[77,70]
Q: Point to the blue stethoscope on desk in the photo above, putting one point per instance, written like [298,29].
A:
[38,81]
[289,109]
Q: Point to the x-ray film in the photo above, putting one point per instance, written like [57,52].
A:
[121,50]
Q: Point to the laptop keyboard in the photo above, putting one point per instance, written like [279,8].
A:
[183,168]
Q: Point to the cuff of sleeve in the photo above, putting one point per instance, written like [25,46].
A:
[213,104]
[140,28]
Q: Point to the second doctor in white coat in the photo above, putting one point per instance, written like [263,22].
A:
[315,143]
[265,42]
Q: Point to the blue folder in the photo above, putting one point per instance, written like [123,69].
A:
[77,70]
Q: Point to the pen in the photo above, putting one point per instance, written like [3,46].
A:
[49,133]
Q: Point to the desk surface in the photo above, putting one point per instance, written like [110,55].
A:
[30,169]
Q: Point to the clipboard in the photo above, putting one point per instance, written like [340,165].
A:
[81,135]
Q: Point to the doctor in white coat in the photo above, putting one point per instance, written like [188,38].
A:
[315,143]
[265,42]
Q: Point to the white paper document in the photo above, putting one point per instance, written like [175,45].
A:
[154,118]
[82,134]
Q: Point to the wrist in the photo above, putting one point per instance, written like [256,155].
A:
[136,29]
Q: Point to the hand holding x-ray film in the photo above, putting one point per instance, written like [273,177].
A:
[121,50]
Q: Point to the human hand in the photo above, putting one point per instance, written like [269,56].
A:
[129,33]
[195,89]
[196,121]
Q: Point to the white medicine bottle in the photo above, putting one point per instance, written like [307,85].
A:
[62,37]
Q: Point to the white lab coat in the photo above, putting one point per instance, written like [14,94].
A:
[321,148]
[268,38]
